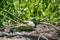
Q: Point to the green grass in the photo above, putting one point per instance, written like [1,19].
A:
[12,11]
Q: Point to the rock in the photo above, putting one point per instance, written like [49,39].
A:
[30,23]
[27,26]
[35,20]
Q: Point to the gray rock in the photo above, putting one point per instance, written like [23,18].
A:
[27,26]
[30,23]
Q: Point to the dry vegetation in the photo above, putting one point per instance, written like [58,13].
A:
[43,31]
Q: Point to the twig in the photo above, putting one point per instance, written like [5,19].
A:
[45,37]
[39,36]
[50,24]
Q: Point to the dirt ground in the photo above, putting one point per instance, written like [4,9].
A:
[43,31]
